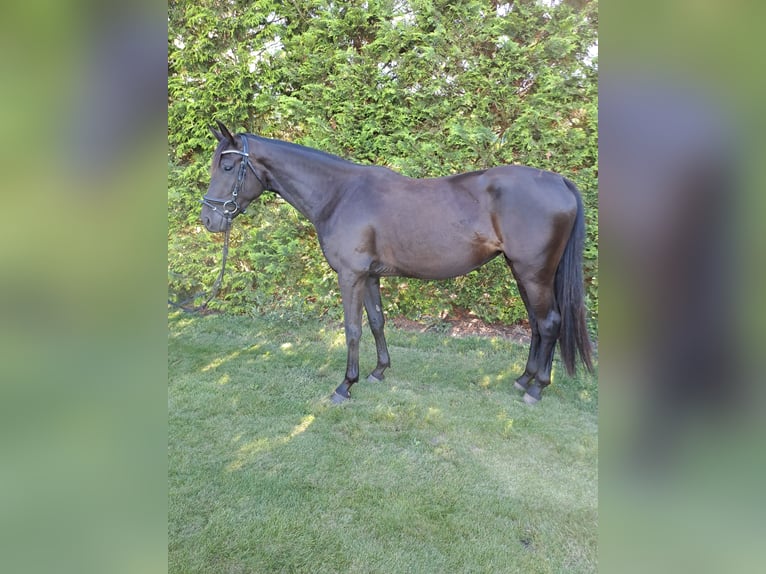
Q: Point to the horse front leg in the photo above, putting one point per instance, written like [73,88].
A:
[374,308]
[352,288]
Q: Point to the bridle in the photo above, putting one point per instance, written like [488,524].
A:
[230,207]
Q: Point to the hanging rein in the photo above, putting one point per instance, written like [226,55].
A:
[229,208]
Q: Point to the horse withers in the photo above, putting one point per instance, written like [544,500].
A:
[373,222]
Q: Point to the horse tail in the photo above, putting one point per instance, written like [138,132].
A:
[570,294]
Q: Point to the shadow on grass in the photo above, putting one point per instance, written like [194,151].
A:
[247,452]
[440,468]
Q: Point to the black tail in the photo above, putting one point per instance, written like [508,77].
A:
[570,294]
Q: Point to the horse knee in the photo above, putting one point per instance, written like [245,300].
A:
[377,322]
[353,332]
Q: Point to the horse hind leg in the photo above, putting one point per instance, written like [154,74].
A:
[545,323]
[549,328]
[524,381]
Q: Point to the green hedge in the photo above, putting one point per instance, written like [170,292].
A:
[427,88]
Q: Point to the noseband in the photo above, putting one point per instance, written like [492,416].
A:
[230,207]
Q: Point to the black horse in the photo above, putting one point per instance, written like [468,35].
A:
[372,222]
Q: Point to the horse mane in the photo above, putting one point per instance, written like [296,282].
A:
[319,154]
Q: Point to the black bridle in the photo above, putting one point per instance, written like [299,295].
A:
[230,207]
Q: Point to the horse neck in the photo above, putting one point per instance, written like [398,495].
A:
[309,183]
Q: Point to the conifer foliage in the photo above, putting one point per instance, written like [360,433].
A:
[425,87]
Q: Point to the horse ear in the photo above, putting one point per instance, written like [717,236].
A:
[226,133]
[218,135]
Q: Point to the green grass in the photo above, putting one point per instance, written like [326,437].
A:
[442,468]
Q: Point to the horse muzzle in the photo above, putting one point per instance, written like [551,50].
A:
[214,220]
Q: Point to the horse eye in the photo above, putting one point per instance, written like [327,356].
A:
[228,167]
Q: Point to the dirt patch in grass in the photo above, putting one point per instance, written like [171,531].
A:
[462,323]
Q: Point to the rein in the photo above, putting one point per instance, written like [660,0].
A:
[216,285]
[229,214]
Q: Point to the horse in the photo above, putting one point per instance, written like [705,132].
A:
[372,222]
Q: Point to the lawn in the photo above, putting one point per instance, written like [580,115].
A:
[441,468]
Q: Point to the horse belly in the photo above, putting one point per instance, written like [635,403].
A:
[427,259]
[434,233]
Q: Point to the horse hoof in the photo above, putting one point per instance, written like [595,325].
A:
[517,385]
[374,379]
[529,399]
[338,399]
